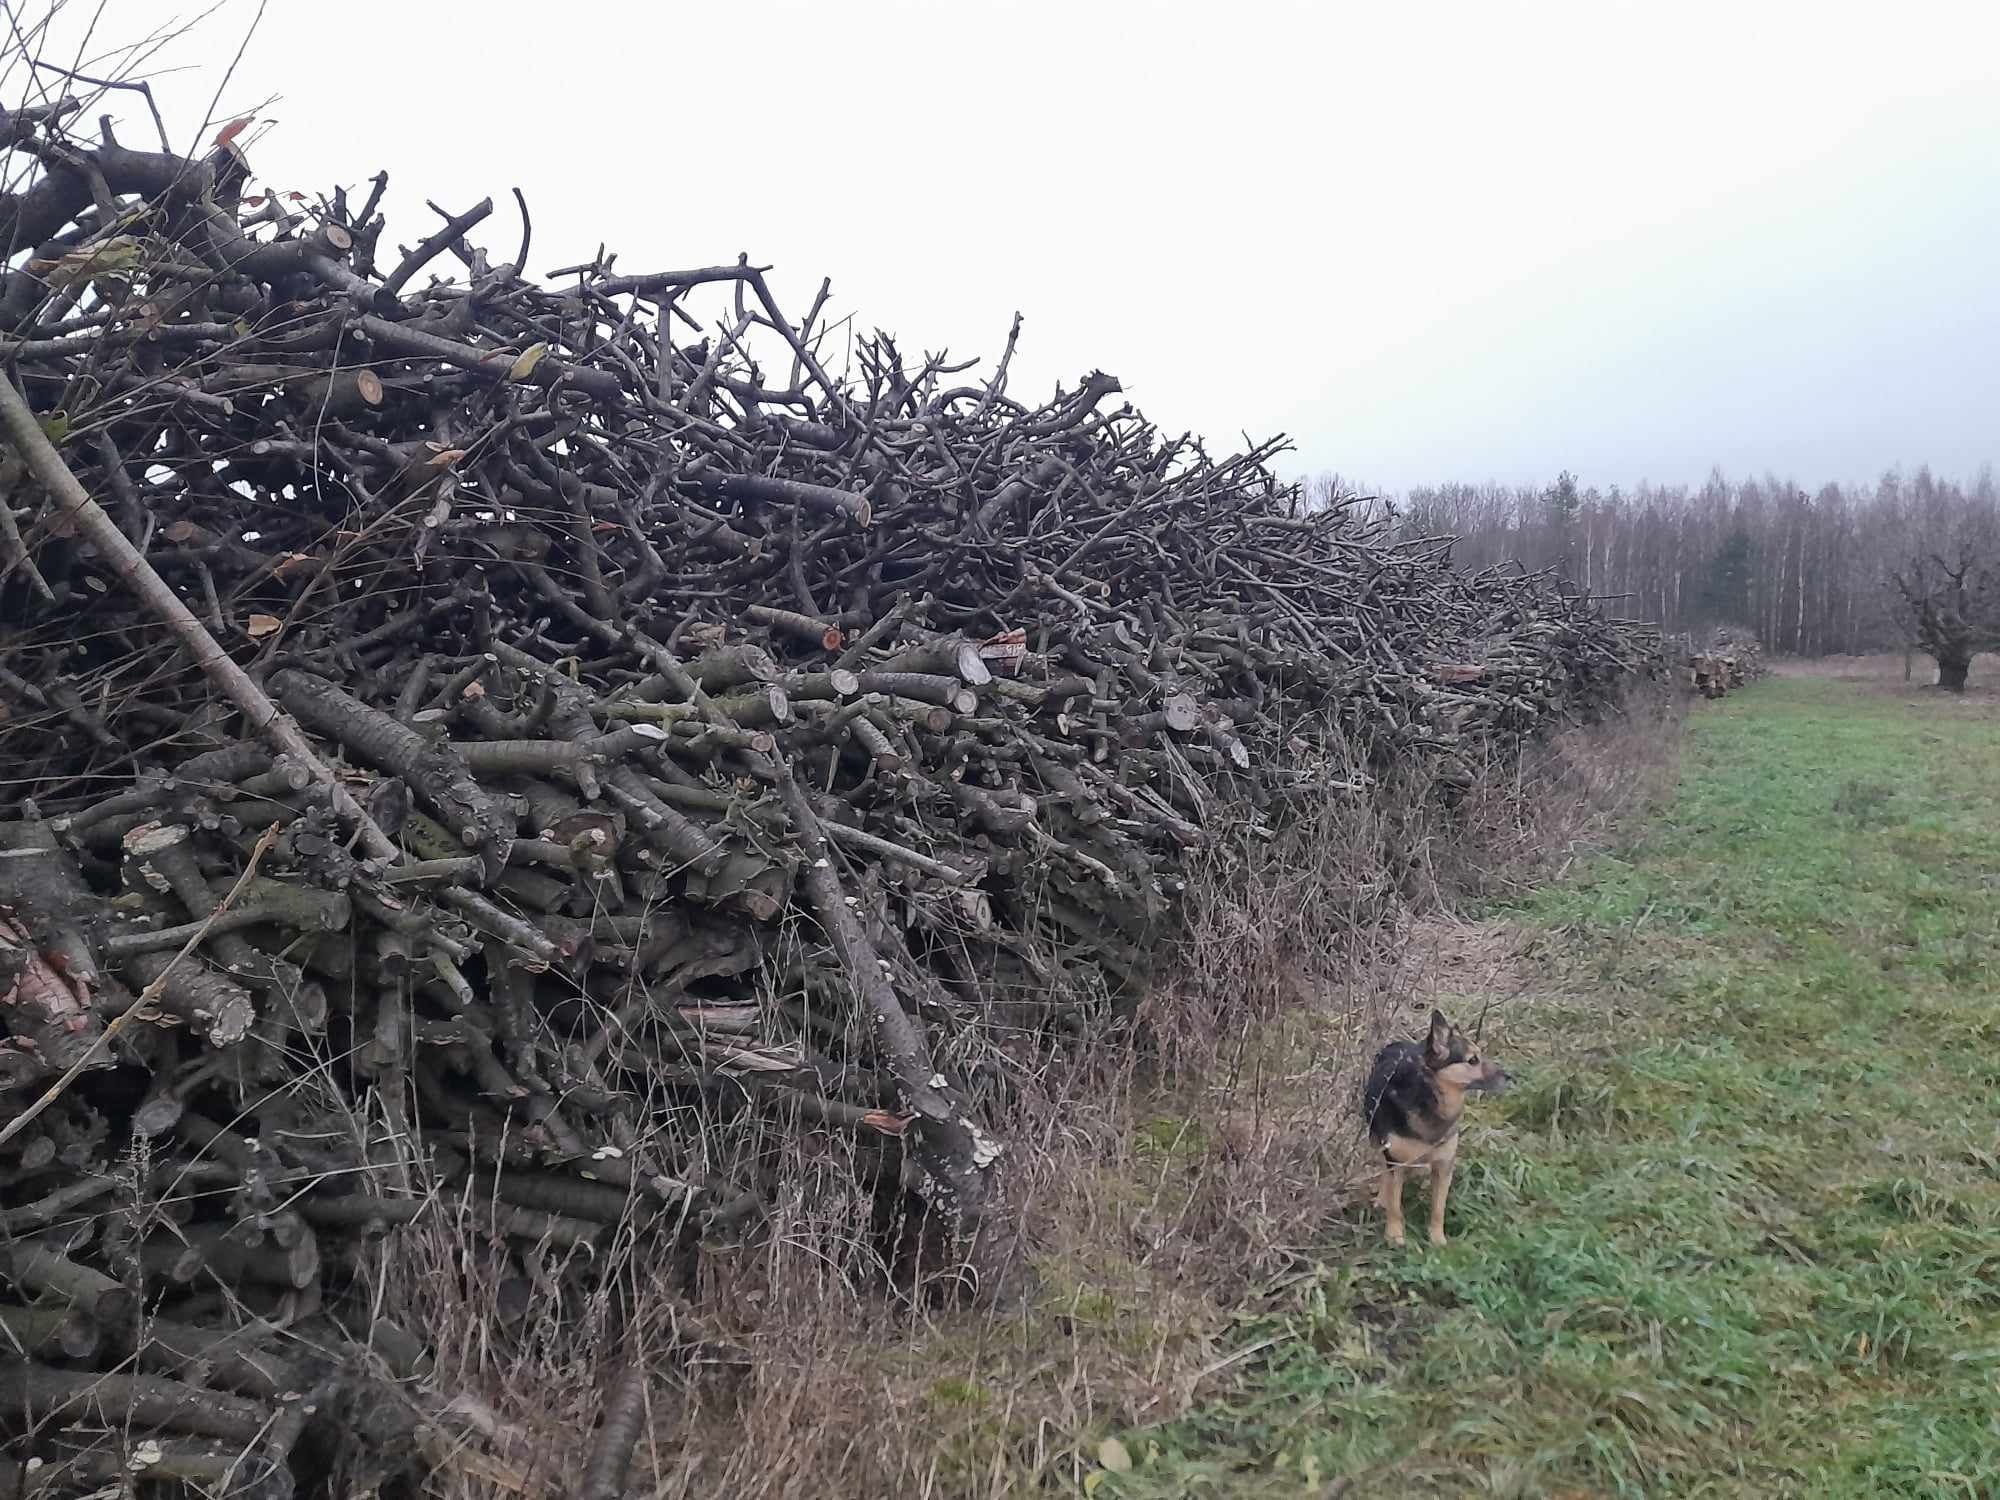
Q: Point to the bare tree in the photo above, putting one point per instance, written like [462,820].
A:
[1952,608]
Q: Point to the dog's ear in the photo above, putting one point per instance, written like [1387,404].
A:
[1440,1038]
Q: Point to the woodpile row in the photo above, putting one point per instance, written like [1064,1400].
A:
[667,736]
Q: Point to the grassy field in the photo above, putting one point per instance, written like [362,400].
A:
[1736,1231]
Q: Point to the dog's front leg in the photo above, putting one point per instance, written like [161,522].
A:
[1392,1200]
[1442,1167]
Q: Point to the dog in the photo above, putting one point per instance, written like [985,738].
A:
[1412,1104]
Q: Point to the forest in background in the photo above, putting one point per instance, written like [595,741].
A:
[1810,571]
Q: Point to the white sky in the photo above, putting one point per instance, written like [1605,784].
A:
[1427,241]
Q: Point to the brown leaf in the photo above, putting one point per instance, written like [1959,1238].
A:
[888,1124]
[263,625]
[178,531]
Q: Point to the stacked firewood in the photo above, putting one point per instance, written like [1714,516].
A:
[691,737]
[1740,656]
[1730,659]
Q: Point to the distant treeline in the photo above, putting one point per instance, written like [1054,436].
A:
[1808,570]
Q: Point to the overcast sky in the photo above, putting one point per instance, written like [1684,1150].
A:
[1436,241]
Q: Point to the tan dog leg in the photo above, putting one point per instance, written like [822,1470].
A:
[1441,1170]
[1391,1198]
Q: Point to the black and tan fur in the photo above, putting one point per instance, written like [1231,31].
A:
[1413,1102]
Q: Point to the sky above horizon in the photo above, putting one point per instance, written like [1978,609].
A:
[1445,242]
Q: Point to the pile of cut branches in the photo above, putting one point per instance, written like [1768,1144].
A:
[476,730]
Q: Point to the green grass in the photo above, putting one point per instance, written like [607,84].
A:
[1736,1232]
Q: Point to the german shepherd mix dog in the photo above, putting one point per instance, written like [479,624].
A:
[1412,1104]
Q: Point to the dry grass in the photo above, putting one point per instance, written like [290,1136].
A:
[1159,1190]
[1883,674]
[1524,822]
